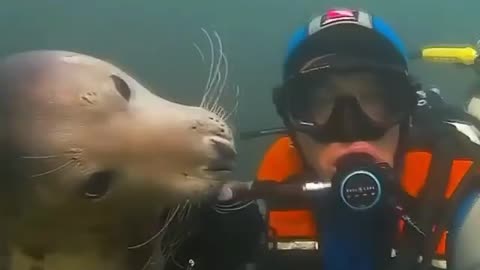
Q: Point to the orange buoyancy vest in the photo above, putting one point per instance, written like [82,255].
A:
[282,160]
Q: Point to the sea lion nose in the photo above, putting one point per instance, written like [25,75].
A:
[218,127]
[212,125]
[224,149]
[225,155]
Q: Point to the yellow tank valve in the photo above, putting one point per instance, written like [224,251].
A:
[450,54]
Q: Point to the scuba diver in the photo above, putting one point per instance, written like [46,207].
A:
[367,175]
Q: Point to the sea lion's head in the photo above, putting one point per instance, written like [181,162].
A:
[78,133]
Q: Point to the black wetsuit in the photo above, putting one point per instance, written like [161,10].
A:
[228,239]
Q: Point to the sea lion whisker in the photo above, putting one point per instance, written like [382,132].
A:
[189,209]
[235,107]
[170,246]
[202,56]
[221,56]
[228,114]
[64,165]
[217,92]
[210,72]
[42,157]
[175,242]
[170,217]
[171,214]
[180,216]
[218,111]
[212,57]
[185,211]
[215,109]
[147,263]
[225,61]
[181,208]
[210,102]
[217,73]
[177,263]
[222,113]
[216,81]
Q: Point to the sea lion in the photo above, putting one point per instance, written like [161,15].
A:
[90,158]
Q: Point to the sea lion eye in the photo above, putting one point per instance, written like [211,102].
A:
[98,184]
[122,87]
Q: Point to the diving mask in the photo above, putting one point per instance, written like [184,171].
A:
[311,103]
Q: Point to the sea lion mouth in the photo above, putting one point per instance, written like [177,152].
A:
[220,165]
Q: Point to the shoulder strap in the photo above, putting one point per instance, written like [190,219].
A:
[469,184]
[430,200]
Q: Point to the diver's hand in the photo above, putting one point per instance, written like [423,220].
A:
[230,189]
[229,198]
